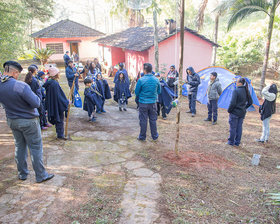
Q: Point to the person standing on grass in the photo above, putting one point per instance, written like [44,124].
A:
[147,89]
[66,59]
[20,104]
[214,91]
[267,109]
[241,100]
[193,81]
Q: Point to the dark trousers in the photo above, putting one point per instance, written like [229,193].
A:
[148,111]
[212,109]
[42,115]
[235,129]
[192,102]
[162,108]
[59,126]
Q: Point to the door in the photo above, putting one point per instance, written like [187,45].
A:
[74,48]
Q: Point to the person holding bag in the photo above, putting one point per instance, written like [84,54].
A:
[267,109]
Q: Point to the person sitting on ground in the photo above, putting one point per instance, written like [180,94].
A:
[66,59]
[121,69]
[20,104]
[241,100]
[92,100]
[122,92]
[267,109]
[71,75]
[147,89]
[193,81]
[104,90]
[214,91]
[56,102]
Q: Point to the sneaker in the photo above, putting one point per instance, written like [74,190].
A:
[103,111]
[44,128]
[120,109]
[164,118]
[227,143]
[142,140]
[260,141]
[93,119]
[207,119]
[61,138]
[193,115]
[98,112]
[214,122]
[189,112]
[124,109]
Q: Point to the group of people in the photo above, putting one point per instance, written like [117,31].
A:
[26,104]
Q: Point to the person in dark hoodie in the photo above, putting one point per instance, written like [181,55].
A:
[172,78]
[56,102]
[92,99]
[103,89]
[214,91]
[267,109]
[122,92]
[241,100]
[71,75]
[193,81]
[66,59]
[121,70]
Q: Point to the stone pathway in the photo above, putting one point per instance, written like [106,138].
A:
[93,149]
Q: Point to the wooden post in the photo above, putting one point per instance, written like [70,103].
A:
[182,35]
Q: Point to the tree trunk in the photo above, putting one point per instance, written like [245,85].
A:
[217,18]
[156,41]
[267,49]
[200,15]
[182,35]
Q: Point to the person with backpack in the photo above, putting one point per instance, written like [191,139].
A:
[267,109]
[214,91]
[241,100]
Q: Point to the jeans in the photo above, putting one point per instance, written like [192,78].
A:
[27,133]
[192,102]
[59,126]
[42,115]
[235,129]
[148,111]
[122,103]
[212,109]
[265,129]
[163,112]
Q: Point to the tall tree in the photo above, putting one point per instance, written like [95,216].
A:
[181,66]
[241,9]
[200,15]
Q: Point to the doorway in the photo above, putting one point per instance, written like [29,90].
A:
[74,48]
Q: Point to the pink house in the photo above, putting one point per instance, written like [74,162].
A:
[67,35]
[135,46]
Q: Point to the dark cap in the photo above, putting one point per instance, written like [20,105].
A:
[157,74]
[67,52]
[121,65]
[214,74]
[41,73]
[70,61]
[14,64]
[33,65]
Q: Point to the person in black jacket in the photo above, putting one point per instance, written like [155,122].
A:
[241,100]
[193,81]
[267,109]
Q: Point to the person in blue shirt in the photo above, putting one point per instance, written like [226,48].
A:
[193,81]
[123,71]
[147,89]
[20,104]
[71,75]
[66,59]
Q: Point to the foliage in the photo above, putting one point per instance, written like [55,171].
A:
[274,198]
[15,24]
[43,54]
[237,51]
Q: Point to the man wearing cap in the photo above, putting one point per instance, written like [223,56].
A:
[214,91]
[147,89]
[66,58]
[21,105]
[71,75]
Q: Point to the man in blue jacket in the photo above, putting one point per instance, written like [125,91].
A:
[193,81]
[71,74]
[21,105]
[66,59]
[147,89]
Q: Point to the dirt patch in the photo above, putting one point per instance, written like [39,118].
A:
[199,160]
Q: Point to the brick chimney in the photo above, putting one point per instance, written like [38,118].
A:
[170,26]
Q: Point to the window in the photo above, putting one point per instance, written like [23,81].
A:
[56,47]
